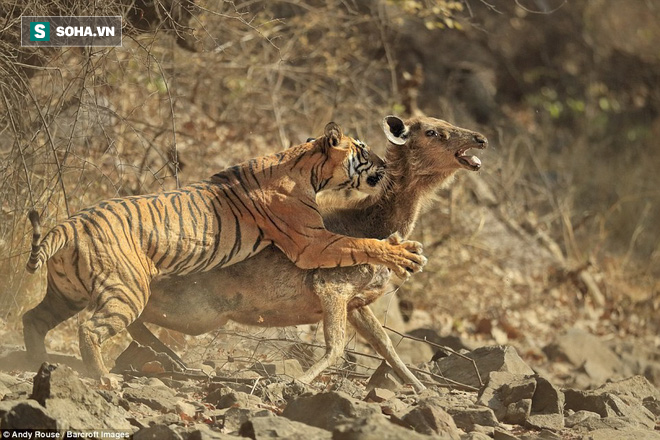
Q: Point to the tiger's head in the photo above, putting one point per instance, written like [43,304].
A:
[358,171]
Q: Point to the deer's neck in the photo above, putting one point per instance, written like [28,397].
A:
[411,188]
[398,209]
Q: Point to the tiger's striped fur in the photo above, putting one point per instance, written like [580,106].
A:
[106,256]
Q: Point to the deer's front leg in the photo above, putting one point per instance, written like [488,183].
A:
[368,326]
[333,302]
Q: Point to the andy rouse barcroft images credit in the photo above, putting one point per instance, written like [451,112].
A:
[31,434]
[71,31]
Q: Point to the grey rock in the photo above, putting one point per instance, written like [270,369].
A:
[280,391]
[279,427]
[466,418]
[294,389]
[379,395]
[475,436]
[72,403]
[501,434]
[326,410]
[201,431]
[636,386]
[652,405]
[487,359]
[553,422]
[630,434]
[430,419]
[610,405]
[578,417]
[582,349]
[272,393]
[517,412]
[186,409]
[548,399]
[227,398]
[160,419]
[57,381]
[543,435]
[375,427]
[577,400]
[384,377]
[157,397]
[26,414]
[13,385]
[488,430]
[509,396]
[524,400]
[547,406]
[234,418]
[449,398]
[594,424]
[4,390]
[157,432]
[633,409]
[347,386]
[393,406]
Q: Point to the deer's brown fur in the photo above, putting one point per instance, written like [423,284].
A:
[268,290]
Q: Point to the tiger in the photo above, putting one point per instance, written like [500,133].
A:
[104,257]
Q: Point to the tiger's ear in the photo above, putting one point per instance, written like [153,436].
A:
[395,130]
[333,134]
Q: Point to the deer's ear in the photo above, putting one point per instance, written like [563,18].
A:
[395,130]
[333,133]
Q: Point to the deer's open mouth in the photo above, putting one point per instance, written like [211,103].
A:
[466,160]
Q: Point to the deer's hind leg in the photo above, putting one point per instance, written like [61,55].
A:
[144,336]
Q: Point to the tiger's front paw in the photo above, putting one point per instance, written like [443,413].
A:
[409,256]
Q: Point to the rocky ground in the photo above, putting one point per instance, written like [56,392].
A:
[488,392]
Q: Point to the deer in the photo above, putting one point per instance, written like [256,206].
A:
[268,290]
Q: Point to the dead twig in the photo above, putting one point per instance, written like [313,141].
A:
[450,383]
[441,347]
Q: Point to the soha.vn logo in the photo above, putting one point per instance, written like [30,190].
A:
[71,31]
[39,31]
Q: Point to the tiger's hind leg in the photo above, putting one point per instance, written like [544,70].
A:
[54,309]
[116,309]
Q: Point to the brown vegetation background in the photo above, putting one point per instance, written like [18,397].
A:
[566,91]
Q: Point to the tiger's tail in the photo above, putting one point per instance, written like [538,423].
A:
[40,252]
[36,259]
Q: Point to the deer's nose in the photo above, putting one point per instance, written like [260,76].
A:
[481,139]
